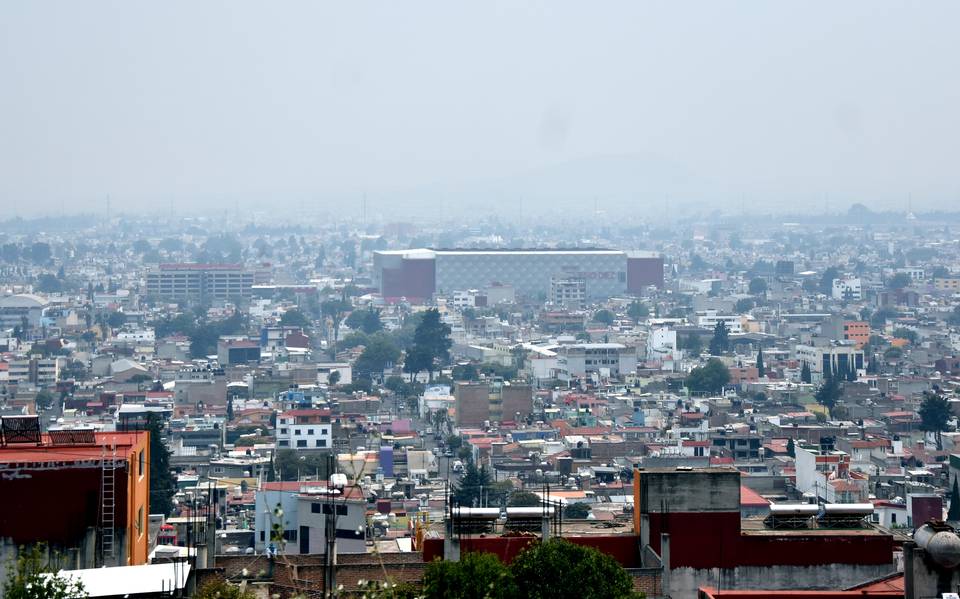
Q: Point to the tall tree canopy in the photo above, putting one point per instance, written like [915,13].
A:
[721,339]
[935,415]
[709,378]
[163,485]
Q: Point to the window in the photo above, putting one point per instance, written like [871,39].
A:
[321,442]
[140,521]
[296,431]
[283,443]
[310,431]
[283,431]
[141,464]
[301,442]
[324,431]
[893,517]
[290,535]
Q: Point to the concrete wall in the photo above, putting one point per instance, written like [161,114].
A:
[516,398]
[473,404]
[674,491]
[684,582]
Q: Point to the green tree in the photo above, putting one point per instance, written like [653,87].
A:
[32,577]
[761,370]
[558,569]
[43,400]
[692,344]
[805,375]
[709,378]
[934,415]
[333,378]
[829,392]
[48,283]
[295,318]
[367,320]
[477,575]
[721,339]
[851,373]
[879,318]
[576,511]
[905,333]
[431,345]
[291,465]
[379,353]
[744,305]
[465,372]
[221,589]
[791,448]
[826,281]
[637,311]
[334,309]
[163,484]
[953,514]
[953,318]
[473,487]
[604,317]
[899,281]
[524,499]
[758,286]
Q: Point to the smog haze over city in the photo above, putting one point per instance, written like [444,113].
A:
[424,106]
[449,300]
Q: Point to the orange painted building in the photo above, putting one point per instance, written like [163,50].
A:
[857,331]
[68,488]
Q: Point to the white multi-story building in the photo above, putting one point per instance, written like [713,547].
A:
[304,429]
[848,289]
[569,292]
[465,299]
[291,518]
[39,371]
[708,319]
[605,359]
[838,357]
[662,347]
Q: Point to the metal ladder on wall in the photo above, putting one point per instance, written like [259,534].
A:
[108,497]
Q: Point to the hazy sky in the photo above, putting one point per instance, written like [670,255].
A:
[223,103]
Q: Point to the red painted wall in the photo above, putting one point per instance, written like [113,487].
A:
[713,539]
[415,279]
[55,505]
[642,272]
[623,548]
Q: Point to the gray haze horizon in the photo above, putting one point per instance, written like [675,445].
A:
[441,108]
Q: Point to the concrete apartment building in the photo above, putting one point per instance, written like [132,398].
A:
[569,293]
[303,509]
[38,371]
[481,403]
[15,310]
[604,359]
[200,281]
[304,429]
[836,357]
[839,328]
